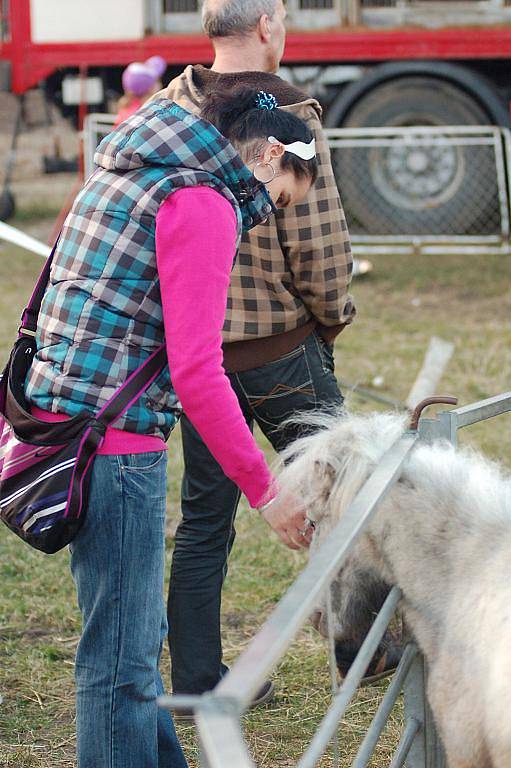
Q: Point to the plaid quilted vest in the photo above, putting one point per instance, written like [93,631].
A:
[101,315]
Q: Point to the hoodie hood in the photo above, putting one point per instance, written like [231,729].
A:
[163,134]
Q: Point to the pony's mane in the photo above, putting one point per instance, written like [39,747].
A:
[475,490]
[343,451]
[343,447]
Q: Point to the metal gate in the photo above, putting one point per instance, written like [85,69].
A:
[431,189]
[95,127]
[217,714]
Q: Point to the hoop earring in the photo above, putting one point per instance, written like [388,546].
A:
[265,165]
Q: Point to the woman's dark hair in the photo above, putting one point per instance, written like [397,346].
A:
[238,117]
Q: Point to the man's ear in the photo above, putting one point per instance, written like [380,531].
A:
[263,28]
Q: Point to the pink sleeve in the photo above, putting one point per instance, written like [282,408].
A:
[195,245]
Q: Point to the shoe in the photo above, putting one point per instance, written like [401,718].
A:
[384,662]
[264,695]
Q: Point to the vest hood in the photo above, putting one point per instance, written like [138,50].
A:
[163,134]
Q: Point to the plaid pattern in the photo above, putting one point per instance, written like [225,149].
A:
[101,315]
[297,266]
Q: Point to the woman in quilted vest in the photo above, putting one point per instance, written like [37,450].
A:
[144,258]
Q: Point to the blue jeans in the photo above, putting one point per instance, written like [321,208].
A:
[301,380]
[117,561]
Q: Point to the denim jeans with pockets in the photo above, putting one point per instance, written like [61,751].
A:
[117,561]
[301,380]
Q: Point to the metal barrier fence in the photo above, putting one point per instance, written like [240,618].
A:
[95,127]
[419,189]
[432,189]
[217,714]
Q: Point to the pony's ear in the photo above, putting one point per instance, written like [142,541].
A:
[406,482]
[324,476]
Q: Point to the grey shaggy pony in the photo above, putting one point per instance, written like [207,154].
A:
[443,536]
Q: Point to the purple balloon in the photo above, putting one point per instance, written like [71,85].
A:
[138,78]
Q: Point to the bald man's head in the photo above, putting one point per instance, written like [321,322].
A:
[235,18]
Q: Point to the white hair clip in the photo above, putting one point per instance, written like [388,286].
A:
[298,148]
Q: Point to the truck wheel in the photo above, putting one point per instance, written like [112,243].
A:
[414,189]
[7,205]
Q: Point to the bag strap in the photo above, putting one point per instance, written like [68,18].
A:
[134,386]
[28,325]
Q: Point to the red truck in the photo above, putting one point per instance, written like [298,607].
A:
[370,62]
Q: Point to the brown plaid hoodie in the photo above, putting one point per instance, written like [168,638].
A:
[292,273]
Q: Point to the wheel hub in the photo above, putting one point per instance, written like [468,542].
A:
[417,162]
[417,177]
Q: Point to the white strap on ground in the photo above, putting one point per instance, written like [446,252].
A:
[17,237]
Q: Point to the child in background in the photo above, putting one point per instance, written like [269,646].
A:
[140,81]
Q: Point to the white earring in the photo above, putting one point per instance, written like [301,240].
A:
[265,165]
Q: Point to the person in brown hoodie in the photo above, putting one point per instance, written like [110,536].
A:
[287,302]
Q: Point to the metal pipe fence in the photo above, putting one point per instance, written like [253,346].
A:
[95,127]
[421,189]
[217,714]
[425,189]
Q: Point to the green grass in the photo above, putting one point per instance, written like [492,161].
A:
[404,303]
[44,208]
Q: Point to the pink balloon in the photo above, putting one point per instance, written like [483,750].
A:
[156,64]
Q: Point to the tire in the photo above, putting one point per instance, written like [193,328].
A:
[7,205]
[414,189]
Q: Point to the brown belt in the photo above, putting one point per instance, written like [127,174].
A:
[243,355]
